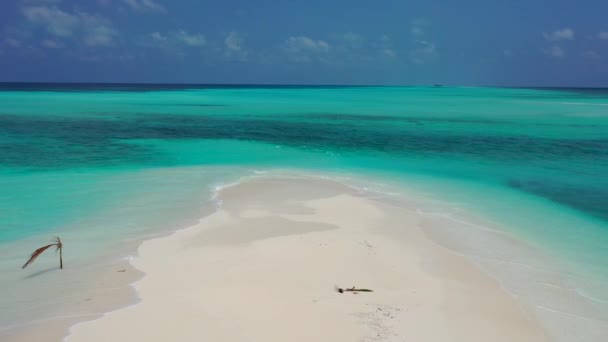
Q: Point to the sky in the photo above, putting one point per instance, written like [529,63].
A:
[381,42]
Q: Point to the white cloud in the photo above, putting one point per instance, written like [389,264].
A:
[305,50]
[345,48]
[592,54]
[12,42]
[415,30]
[555,51]
[145,6]
[384,46]
[157,36]
[389,53]
[563,34]
[175,41]
[54,20]
[41,1]
[234,46]
[424,53]
[306,44]
[195,39]
[423,50]
[233,42]
[100,35]
[353,40]
[51,44]
[346,42]
[603,35]
[418,27]
[90,29]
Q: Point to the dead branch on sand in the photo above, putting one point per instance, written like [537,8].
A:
[353,290]
[58,247]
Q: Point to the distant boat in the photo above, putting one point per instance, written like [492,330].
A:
[437,85]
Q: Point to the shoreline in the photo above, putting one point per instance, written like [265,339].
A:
[110,289]
[556,322]
[299,217]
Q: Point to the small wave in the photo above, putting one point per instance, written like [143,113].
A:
[581,292]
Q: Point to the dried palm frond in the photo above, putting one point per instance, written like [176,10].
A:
[58,247]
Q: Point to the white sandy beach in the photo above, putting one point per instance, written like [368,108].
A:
[264,268]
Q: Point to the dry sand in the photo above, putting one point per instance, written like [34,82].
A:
[264,268]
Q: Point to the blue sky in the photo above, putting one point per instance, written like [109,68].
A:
[467,42]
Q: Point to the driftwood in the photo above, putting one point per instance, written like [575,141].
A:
[58,247]
[352,289]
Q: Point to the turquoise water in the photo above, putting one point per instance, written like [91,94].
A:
[100,164]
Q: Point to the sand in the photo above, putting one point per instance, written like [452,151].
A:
[264,267]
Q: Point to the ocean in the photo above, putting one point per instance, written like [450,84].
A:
[105,166]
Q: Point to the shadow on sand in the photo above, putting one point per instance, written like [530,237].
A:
[39,273]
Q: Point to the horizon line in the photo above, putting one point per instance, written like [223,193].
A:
[437,85]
